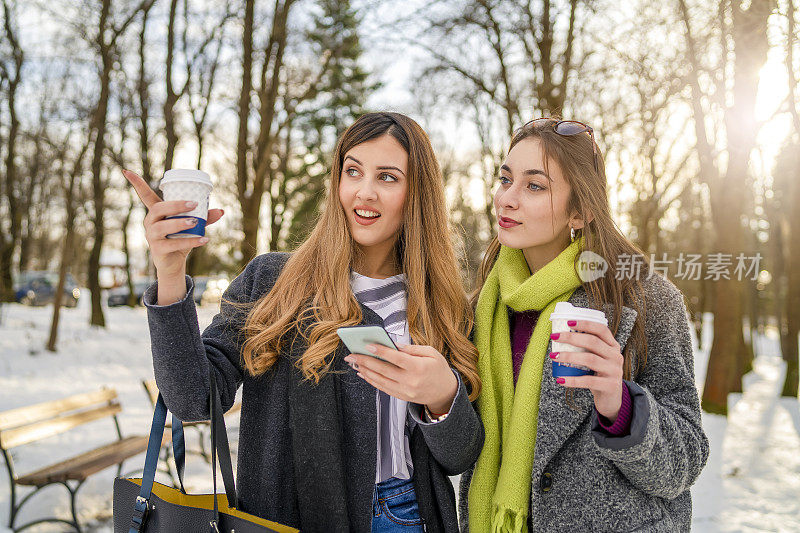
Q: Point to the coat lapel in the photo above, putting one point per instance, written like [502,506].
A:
[321,477]
[557,420]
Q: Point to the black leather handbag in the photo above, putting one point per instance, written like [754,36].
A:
[142,505]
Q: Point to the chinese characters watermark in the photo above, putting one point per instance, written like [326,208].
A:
[715,267]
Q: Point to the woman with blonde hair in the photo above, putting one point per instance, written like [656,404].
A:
[620,451]
[322,447]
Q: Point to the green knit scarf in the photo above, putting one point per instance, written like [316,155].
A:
[499,494]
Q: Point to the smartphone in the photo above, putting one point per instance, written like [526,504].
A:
[356,339]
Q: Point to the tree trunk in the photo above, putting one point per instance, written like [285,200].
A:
[143,97]
[792,305]
[242,141]
[66,248]
[98,187]
[726,360]
[8,242]
[729,355]
[62,275]
[171,96]
[126,248]
[277,219]
[6,260]
[34,186]
[69,236]
[252,191]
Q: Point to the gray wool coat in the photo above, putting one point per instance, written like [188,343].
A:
[307,453]
[583,479]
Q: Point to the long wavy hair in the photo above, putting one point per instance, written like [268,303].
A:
[312,295]
[574,156]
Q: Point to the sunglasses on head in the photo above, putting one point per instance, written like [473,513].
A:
[570,127]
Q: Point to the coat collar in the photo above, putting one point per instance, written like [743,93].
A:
[320,475]
[557,421]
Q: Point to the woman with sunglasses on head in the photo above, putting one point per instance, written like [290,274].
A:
[327,447]
[615,449]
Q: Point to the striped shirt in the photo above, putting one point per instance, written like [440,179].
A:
[387,297]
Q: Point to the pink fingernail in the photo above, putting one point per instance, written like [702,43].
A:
[554,336]
[571,323]
[553,355]
[560,381]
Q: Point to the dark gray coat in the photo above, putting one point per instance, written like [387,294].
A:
[307,453]
[585,480]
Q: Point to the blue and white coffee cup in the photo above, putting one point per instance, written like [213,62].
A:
[188,185]
[564,312]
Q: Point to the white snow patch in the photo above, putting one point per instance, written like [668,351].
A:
[87,359]
[750,484]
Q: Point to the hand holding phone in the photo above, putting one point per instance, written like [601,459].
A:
[425,376]
[356,338]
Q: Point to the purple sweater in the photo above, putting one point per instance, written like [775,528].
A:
[521,325]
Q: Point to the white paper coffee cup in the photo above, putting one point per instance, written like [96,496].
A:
[188,185]
[563,312]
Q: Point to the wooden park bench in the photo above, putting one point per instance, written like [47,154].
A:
[202,427]
[32,423]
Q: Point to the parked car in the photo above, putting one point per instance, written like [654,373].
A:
[36,287]
[119,295]
[209,289]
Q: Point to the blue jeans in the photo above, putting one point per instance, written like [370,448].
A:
[394,507]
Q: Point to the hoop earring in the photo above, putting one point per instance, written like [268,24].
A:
[571,234]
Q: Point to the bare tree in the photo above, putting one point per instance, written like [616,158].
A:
[634,119]
[141,104]
[11,67]
[190,57]
[70,174]
[517,58]
[34,163]
[305,81]
[201,73]
[253,158]
[144,102]
[105,40]
[502,63]
[789,224]
[319,101]
[132,100]
[729,355]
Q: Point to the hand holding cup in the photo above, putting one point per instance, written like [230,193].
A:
[168,254]
[586,355]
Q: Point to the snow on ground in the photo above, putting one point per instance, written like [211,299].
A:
[88,358]
[750,484]
[752,479]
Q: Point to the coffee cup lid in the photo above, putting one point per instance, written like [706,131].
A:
[185,174]
[569,311]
